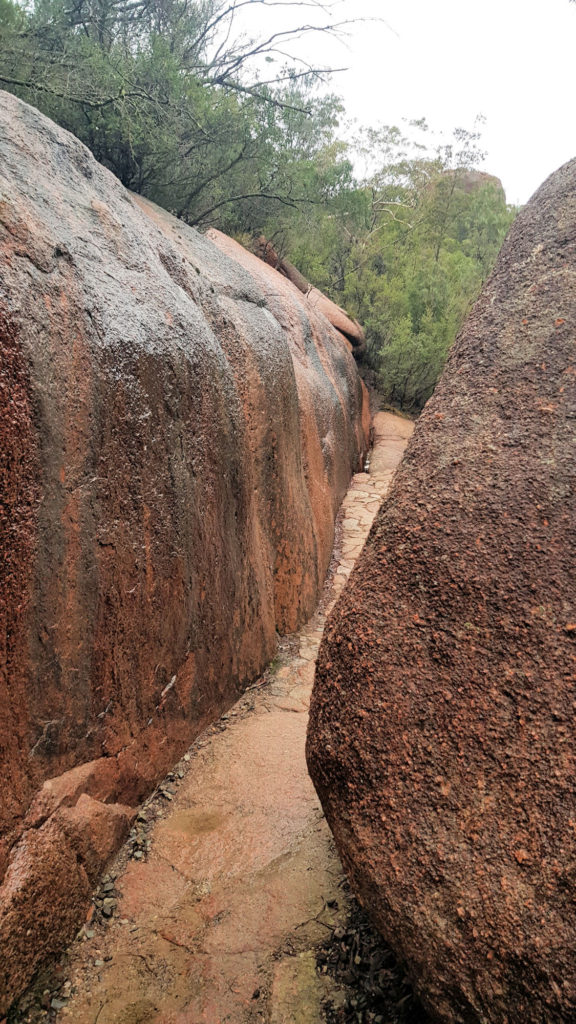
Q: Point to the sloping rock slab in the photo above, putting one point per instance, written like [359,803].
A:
[176,433]
[442,738]
[349,328]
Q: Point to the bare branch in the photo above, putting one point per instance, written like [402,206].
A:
[39,87]
[263,98]
[285,200]
[236,5]
[207,181]
[293,77]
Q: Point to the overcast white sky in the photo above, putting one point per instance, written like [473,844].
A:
[514,61]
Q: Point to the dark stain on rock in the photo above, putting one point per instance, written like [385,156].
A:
[19,496]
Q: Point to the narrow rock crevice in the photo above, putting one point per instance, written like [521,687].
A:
[230,880]
[168,505]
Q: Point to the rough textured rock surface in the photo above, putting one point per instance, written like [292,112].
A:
[442,738]
[239,882]
[177,428]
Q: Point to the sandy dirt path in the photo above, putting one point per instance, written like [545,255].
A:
[231,878]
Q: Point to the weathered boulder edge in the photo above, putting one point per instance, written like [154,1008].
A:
[442,734]
[178,427]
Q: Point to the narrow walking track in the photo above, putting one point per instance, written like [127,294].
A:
[235,879]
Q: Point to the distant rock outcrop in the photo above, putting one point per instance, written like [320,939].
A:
[468,180]
[442,738]
[178,426]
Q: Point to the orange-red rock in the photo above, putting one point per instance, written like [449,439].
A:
[94,831]
[43,899]
[345,324]
[442,735]
[236,871]
[177,429]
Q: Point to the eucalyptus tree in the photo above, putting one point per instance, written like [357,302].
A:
[433,226]
[168,93]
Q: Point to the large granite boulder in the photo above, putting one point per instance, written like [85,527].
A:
[442,738]
[178,426]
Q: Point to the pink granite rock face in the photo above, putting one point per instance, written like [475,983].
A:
[177,432]
[442,735]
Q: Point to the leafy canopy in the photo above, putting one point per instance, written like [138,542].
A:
[405,249]
[184,109]
[176,103]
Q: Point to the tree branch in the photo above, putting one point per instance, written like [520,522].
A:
[208,181]
[250,195]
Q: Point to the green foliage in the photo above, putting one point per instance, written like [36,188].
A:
[426,270]
[160,91]
[407,250]
[10,14]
